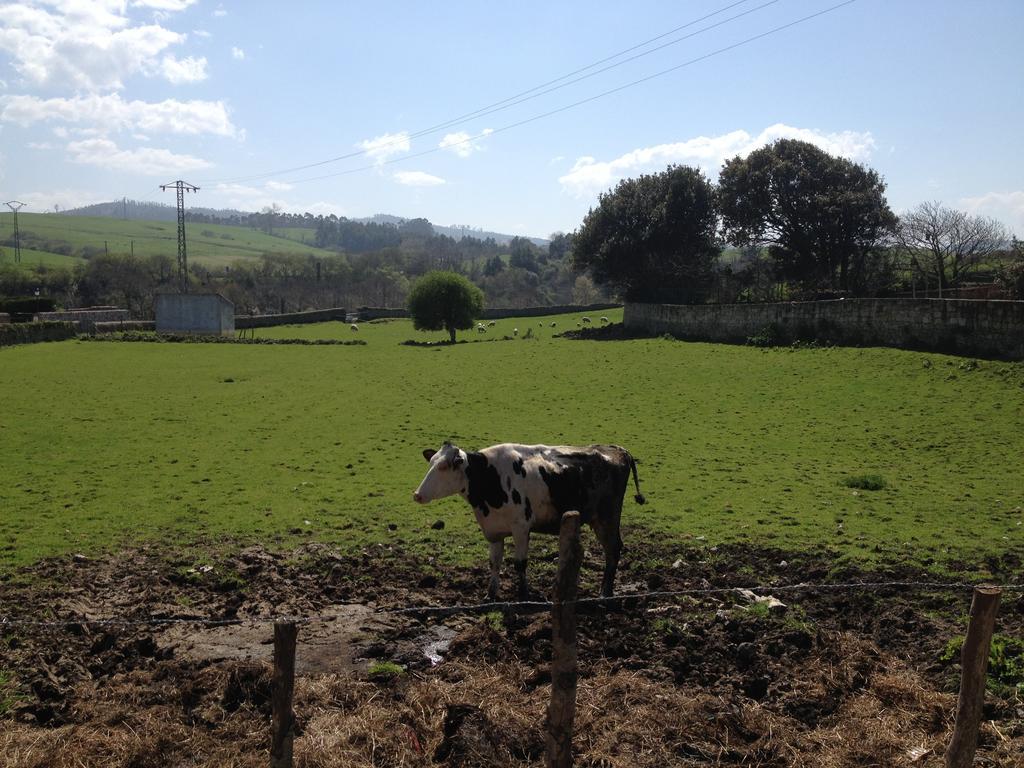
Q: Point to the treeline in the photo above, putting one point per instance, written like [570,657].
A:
[521,274]
[808,226]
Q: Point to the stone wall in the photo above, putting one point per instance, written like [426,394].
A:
[373,313]
[958,326]
[290,318]
[84,319]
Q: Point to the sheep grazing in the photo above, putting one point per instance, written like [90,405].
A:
[481,328]
[354,327]
[552,323]
[586,319]
[491,324]
[604,319]
[515,331]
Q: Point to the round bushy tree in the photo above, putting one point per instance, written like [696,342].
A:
[445,301]
[824,219]
[652,238]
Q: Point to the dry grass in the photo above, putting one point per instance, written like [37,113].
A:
[492,715]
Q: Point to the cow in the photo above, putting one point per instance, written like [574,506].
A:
[517,489]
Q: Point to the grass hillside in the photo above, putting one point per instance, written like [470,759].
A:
[871,453]
[213,245]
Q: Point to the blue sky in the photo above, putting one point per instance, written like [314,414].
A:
[105,99]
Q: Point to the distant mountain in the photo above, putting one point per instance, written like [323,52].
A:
[135,210]
[457,231]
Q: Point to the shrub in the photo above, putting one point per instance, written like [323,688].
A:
[865,482]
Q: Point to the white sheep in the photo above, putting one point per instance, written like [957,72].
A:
[354,327]
[604,319]
[586,319]
[515,331]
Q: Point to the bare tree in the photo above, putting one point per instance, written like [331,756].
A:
[946,245]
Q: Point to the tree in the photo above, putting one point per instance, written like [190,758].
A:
[1011,275]
[824,219]
[946,245]
[652,238]
[445,301]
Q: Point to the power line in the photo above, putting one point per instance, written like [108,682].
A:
[587,100]
[523,96]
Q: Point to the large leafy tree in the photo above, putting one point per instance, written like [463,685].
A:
[652,238]
[445,301]
[825,219]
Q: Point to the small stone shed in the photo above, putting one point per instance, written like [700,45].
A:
[195,313]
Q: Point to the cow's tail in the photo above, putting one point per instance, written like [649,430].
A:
[636,481]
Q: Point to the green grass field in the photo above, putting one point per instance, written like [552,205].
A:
[214,245]
[110,443]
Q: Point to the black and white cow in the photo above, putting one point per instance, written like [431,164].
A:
[517,489]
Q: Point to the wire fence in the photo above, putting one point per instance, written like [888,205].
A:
[623,601]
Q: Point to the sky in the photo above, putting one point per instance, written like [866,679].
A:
[511,117]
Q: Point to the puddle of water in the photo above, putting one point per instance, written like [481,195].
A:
[434,642]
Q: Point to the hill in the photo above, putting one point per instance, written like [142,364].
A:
[77,236]
[138,210]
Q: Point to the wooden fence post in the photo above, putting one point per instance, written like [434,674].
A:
[974,664]
[282,717]
[562,709]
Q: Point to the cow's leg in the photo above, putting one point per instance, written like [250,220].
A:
[607,530]
[497,555]
[522,544]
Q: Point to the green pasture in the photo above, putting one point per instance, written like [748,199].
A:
[214,245]
[103,444]
[32,258]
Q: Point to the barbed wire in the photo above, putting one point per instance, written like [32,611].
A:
[515,606]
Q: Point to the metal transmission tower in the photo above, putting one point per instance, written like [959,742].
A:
[182,187]
[14,205]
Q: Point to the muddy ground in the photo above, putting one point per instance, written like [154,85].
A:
[838,678]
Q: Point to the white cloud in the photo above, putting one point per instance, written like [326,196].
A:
[114,113]
[237,53]
[464,144]
[418,179]
[90,46]
[220,13]
[279,186]
[1007,207]
[187,70]
[201,33]
[39,145]
[589,176]
[385,146]
[164,5]
[106,154]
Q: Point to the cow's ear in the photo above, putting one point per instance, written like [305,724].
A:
[428,453]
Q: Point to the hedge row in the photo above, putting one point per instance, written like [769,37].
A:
[30,333]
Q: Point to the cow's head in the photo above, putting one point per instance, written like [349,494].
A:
[446,476]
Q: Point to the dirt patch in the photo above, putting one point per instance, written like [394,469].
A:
[837,678]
